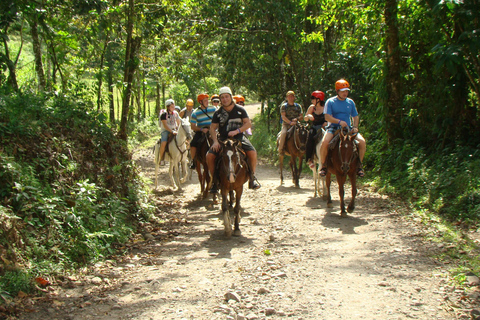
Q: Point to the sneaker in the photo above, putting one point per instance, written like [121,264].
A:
[311,165]
[360,173]
[254,184]
[192,165]
[323,172]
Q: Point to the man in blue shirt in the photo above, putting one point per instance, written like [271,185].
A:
[338,111]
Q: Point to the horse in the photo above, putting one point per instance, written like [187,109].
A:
[295,146]
[201,164]
[343,161]
[177,154]
[232,174]
[316,170]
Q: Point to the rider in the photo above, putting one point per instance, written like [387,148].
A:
[291,113]
[231,120]
[200,123]
[239,100]
[187,111]
[215,100]
[314,114]
[338,111]
[169,123]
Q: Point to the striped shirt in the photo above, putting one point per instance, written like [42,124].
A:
[203,117]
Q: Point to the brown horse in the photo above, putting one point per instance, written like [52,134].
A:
[233,173]
[201,164]
[295,146]
[343,160]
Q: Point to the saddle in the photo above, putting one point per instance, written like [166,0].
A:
[336,139]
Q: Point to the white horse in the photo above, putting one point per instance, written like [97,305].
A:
[176,155]
[316,171]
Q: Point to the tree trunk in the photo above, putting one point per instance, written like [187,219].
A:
[100,73]
[37,53]
[12,76]
[393,68]
[129,71]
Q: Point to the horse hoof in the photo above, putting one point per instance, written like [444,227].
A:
[343,214]
[237,233]
[350,210]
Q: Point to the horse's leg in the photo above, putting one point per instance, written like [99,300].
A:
[280,160]
[231,199]
[316,177]
[293,167]
[238,196]
[157,162]
[226,213]
[324,188]
[299,172]
[328,179]
[341,191]
[353,182]
[173,172]
[184,170]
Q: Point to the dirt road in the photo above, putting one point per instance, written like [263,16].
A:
[295,259]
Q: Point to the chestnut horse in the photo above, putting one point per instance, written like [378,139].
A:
[295,146]
[201,163]
[343,160]
[232,174]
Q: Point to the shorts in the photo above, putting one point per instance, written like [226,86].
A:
[332,129]
[164,135]
[246,146]
[196,139]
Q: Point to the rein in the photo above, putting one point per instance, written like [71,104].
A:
[346,164]
[184,142]
[295,139]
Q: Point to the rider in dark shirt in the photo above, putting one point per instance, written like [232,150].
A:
[317,118]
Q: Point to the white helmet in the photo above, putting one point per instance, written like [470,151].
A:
[224,90]
[169,102]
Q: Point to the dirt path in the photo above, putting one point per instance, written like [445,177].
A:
[295,259]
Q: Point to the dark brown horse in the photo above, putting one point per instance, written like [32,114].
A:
[295,146]
[233,173]
[343,161]
[201,164]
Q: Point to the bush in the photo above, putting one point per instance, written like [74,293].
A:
[69,190]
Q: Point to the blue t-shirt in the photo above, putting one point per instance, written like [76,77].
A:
[340,109]
[203,117]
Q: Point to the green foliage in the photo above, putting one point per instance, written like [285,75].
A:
[443,181]
[69,191]
[12,282]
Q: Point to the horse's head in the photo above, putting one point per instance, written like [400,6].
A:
[231,162]
[347,148]
[301,136]
[187,127]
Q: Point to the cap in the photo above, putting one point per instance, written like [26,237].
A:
[290,93]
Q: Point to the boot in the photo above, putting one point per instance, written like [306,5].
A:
[214,188]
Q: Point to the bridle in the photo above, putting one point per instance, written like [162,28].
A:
[231,153]
[302,146]
[183,143]
[343,138]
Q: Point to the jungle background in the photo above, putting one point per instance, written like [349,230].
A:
[82,83]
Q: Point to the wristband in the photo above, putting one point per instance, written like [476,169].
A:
[339,121]
[239,131]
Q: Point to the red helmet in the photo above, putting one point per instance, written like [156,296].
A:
[318,95]
[202,96]
[341,84]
